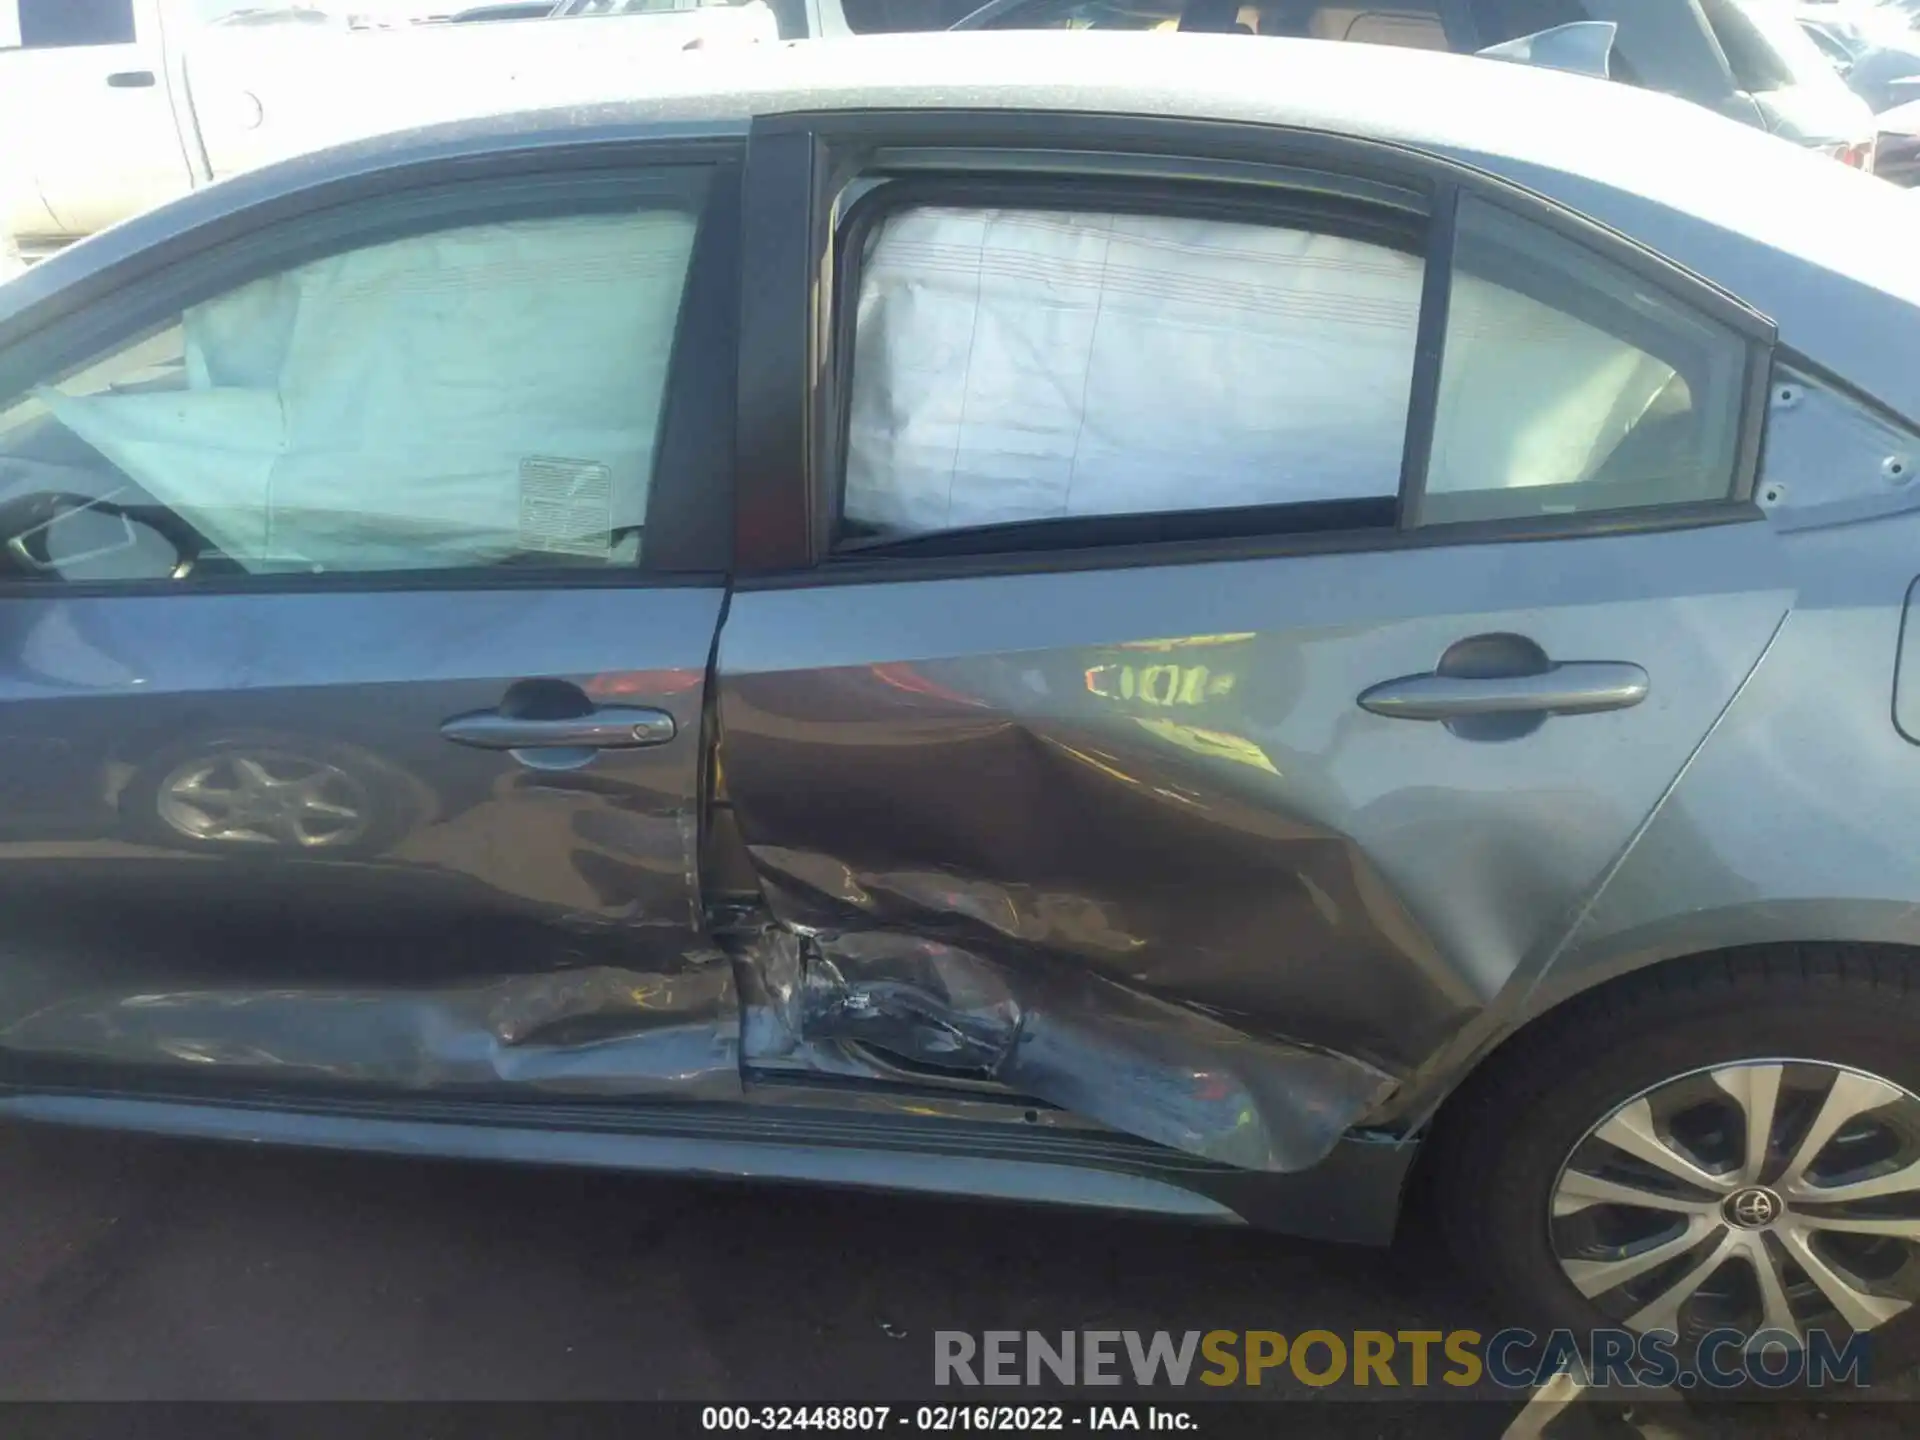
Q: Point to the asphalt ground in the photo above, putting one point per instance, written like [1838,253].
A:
[134,1269]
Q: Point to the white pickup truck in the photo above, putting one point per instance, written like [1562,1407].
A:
[108,107]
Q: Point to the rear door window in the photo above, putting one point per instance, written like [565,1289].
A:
[1027,365]
[1033,364]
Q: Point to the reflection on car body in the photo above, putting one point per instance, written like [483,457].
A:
[1185,640]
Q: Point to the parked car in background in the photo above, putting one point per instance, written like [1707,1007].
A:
[1743,58]
[1874,48]
[1200,632]
[111,107]
[510,10]
[1899,144]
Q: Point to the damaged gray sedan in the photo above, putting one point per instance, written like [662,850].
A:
[1208,641]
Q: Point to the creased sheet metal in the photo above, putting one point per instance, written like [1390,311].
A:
[603,1030]
[1054,1031]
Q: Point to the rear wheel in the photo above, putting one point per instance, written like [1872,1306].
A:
[1731,1144]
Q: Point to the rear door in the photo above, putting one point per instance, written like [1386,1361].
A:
[363,565]
[1237,621]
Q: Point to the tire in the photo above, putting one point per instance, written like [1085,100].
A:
[376,803]
[1502,1142]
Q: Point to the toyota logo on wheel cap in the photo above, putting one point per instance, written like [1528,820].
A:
[1753,1208]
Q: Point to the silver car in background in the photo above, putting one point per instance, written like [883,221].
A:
[1746,59]
[1242,636]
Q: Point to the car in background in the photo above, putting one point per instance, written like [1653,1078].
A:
[1874,48]
[509,10]
[111,107]
[1746,59]
[1898,155]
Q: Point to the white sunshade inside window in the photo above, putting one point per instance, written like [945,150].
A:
[443,400]
[1014,365]
[1018,365]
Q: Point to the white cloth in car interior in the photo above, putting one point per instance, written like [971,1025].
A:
[1016,365]
[446,399]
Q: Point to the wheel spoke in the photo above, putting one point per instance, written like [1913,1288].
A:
[1578,1190]
[200,792]
[1893,1225]
[253,775]
[1632,1131]
[1852,1095]
[1776,1313]
[1894,1182]
[1859,1309]
[1756,1089]
[1663,1311]
[316,806]
[1596,1277]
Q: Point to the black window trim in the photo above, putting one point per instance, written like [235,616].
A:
[690,496]
[844,153]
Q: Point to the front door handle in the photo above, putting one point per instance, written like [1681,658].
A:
[1576,688]
[131,79]
[611,727]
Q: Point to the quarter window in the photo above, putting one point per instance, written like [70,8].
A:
[474,397]
[1568,385]
[1029,364]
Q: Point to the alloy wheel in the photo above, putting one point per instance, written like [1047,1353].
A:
[1766,1196]
[264,798]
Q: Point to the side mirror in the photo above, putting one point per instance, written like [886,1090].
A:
[1584,48]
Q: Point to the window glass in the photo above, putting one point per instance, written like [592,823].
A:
[1760,47]
[1502,20]
[1568,385]
[52,23]
[1029,364]
[867,17]
[1414,23]
[645,7]
[478,396]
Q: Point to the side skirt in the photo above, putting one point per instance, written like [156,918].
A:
[1353,1195]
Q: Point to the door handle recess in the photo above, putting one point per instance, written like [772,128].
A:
[1583,687]
[131,79]
[612,727]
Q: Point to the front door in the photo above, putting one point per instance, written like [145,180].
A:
[1142,739]
[99,111]
[360,596]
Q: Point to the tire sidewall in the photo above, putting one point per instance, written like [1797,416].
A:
[1556,1094]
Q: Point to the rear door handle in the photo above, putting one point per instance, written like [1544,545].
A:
[612,727]
[130,79]
[1577,688]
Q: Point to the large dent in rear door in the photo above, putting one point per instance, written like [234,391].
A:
[1049,1030]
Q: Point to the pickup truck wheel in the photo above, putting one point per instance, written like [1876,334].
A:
[1723,1145]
